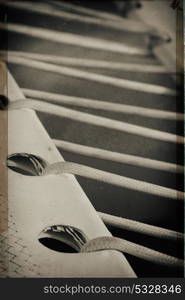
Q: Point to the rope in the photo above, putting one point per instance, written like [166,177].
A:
[103,79]
[73,39]
[89,11]
[118,157]
[89,63]
[96,120]
[103,243]
[108,219]
[140,227]
[104,105]
[108,243]
[121,25]
[114,179]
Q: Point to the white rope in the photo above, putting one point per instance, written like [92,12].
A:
[89,11]
[119,222]
[103,243]
[96,120]
[121,25]
[103,105]
[73,39]
[115,221]
[140,227]
[118,157]
[107,243]
[103,79]
[89,63]
[114,179]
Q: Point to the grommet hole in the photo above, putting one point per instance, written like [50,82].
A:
[26,164]
[3,102]
[66,239]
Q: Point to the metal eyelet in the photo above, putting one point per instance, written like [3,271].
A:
[63,238]
[26,164]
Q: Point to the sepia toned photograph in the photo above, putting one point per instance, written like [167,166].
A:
[91,139]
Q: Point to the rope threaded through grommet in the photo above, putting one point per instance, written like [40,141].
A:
[113,243]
